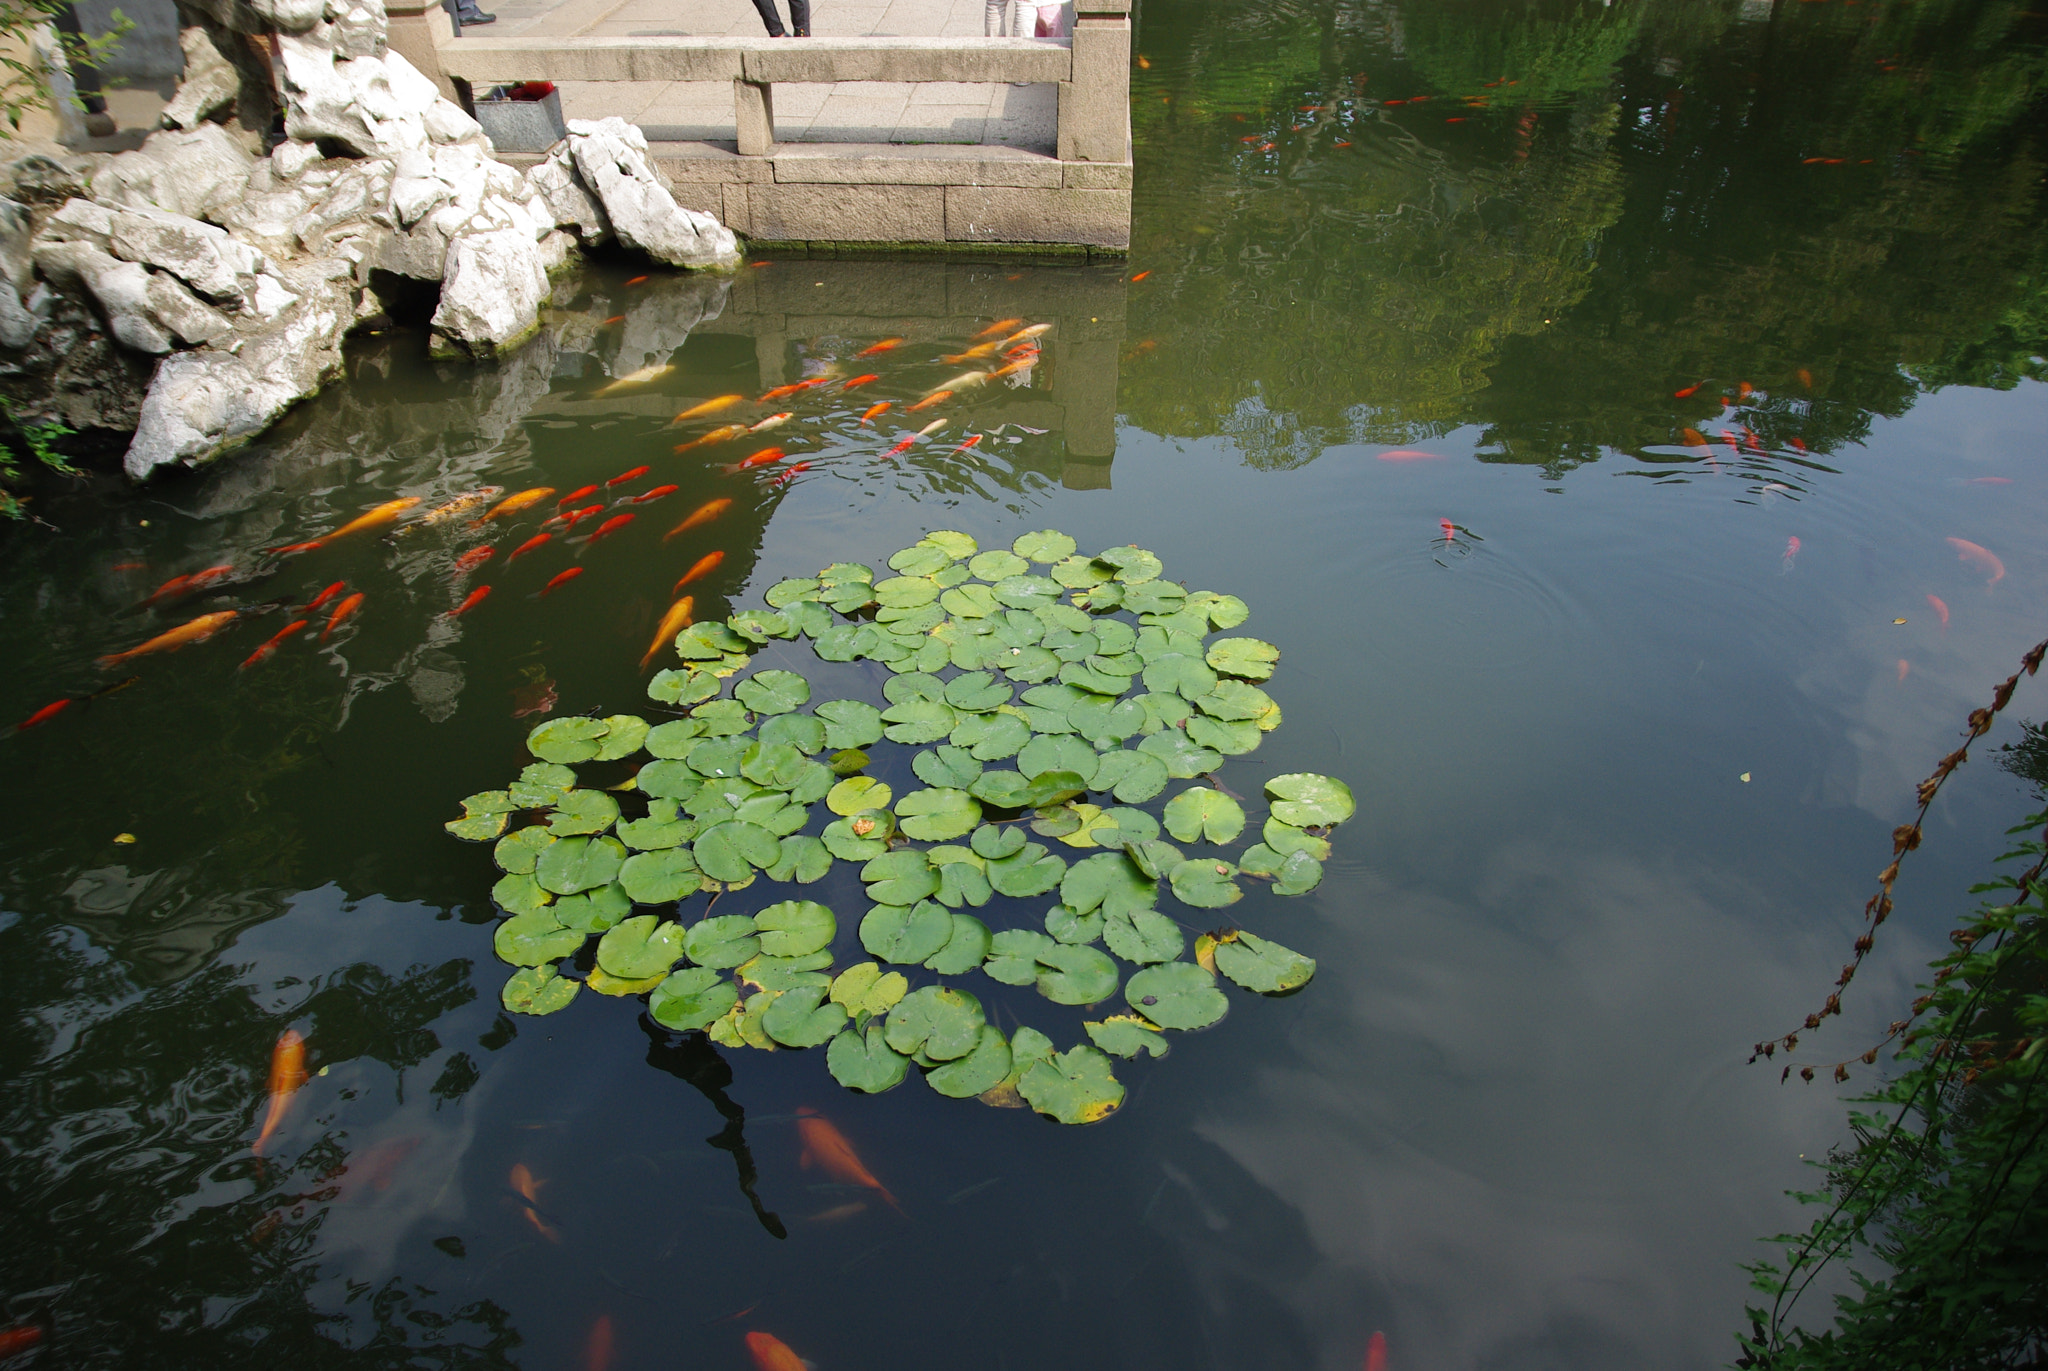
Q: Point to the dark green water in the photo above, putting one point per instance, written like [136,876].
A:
[1508,1124]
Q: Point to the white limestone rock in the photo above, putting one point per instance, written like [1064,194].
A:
[569,204]
[611,158]
[208,86]
[179,311]
[18,324]
[17,245]
[447,124]
[268,222]
[371,106]
[492,289]
[218,268]
[289,160]
[184,173]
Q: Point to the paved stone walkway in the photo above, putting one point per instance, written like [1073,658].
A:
[844,112]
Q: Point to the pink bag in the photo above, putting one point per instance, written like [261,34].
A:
[1052,21]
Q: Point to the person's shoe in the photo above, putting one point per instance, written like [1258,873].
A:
[101,125]
[803,33]
[470,14]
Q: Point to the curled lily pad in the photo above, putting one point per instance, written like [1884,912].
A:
[691,998]
[1307,800]
[786,973]
[1143,936]
[857,793]
[866,990]
[724,941]
[759,625]
[1075,974]
[1127,1035]
[1265,967]
[538,990]
[708,642]
[1200,813]
[1081,573]
[795,928]
[1232,738]
[938,814]
[850,723]
[1285,838]
[574,739]
[801,1017]
[604,983]
[1131,564]
[1177,995]
[982,1069]
[1075,1087]
[639,947]
[940,1022]
[1249,658]
[1234,700]
[1153,857]
[481,826]
[519,852]
[574,864]
[583,811]
[1205,884]
[533,938]
[866,1062]
[773,692]
[849,761]
[906,935]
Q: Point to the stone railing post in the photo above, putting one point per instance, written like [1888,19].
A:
[416,30]
[1095,106]
[754,117]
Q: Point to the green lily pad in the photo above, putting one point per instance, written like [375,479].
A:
[1127,826]
[919,721]
[866,990]
[662,828]
[995,564]
[518,893]
[533,938]
[1154,597]
[900,878]
[1177,995]
[804,732]
[1075,974]
[785,973]
[991,841]
[1064,753]
[787,592]
[938,814]
[1183,758]
[1127,1035]
[1306,800]
[857,793]
[724,941]
[718,758]
[574,864]
[759,625]
[968,602]
[801,1017]
[707,642]
[809,618]
[976,692]
[1010,790]
[1031,870]
[906,935]
[538,990]
[1026,663]
[594,911]
[1014,955]
[639,947]
[1067,926]
[773,764]
[1081,573]
[669,779]
[1293,873]
[1132,777]
[1246,657]
[1131,564]
[540,785]
[574,739]
[1109,882]
[866,1062]
[773,692]
[520,851]
[685,687]
[963,883]
[955,545]
[1285,838]
[850,723]
[1232,738]
[1163,710]
[1187,676]
[1045,547]
[625,733]
[1074,824]
[859,837]
[982,1069]
[674,739]
[920,559]
[480,827]
[1027,592]
[1143,936]
[1200,812]
[795,928]
[1155,858]
[906,592]
[1222,611]
[992,737]
[583,811]
[1205,883]
[722,719]
[849,761]
[939,1022]
[967,948]
[1106,723]
[1094,680]
[1075,1087]
[732,851]
[1233,700]
[1265,967]
[691,998]
[803,859]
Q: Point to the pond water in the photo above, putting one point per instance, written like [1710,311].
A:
[1628,718]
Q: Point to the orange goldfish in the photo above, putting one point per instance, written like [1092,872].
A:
[999,326]
[873,410]
[1940,608]
[1797,446]
[179,586]
[1012,368]
[1025,335]
[342,612]
[780,391]
[972,441]
[1692,437]
[826,1147]
[673,622]
[529,545]
[46,713]
[512,504]
[562,578]
[658,493]
[459,506]
[760,459]
[1805,378]
[699,517]
[703,567]
[717,435]
[381,515]
[324,596]
[928,401]
[1688,392]
[597,1354]
[268,648]
[529,1190]
[635,474]
[771,1353]
[711,406]
[611,525]
[1981,558]
[184,635]
[1743,390]
[287,1074]
[885,345]
[859,381]
[573,496]
[1904,667]
[637,281]
[977,351]
[470,601]
[1143,274]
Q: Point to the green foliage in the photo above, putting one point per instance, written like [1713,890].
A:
[23,85]
[1946,1183]
[730,789]
[37,440]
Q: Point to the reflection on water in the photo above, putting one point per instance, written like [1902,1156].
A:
[1750,257]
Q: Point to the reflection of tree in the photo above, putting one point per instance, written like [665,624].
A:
[691,1057]
[1551,49]
[134,1224]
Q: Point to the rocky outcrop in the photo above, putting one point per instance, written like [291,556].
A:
[611,157]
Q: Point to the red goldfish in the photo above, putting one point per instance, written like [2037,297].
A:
[1141,275]
[859,381]
[702,515]
[711,406]
[873,410]
[573,496]
[635,474]
[771,1353]
[1806,378]
[717,435]
[529,545]
[179,586]
[876,349]
[1981,558]
[826,1147]
[1904,667]
[512,504]
[577,516]
[703,567]
[342,612]
[1991,480]
[787,472]
[324,596]
[287,1074]
[470,601]
[761,459]
[1791,550]
[562,578]
[1797,446]
[658,493]
[780,391]
[1940,608]
[637,281]
[615,319]
[972,441]
[1688,392]
[612,525]
[999,326]
[529,1190]
[1376,1353]
[275,642]
[673,622]
[46,713]
[934,398]
[1408,455]
[1450,529]
[184,635]
[28,1335]
[597,1354]
[904,446]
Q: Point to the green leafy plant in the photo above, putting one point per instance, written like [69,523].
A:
[1045,695]
[39,440]
[24,86]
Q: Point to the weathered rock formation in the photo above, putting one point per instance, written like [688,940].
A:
[243,274]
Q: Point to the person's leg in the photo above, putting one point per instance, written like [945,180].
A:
[993,23]
[85,78]
[800,17]
[770,17]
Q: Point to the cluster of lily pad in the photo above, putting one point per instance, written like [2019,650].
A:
[1041,711]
